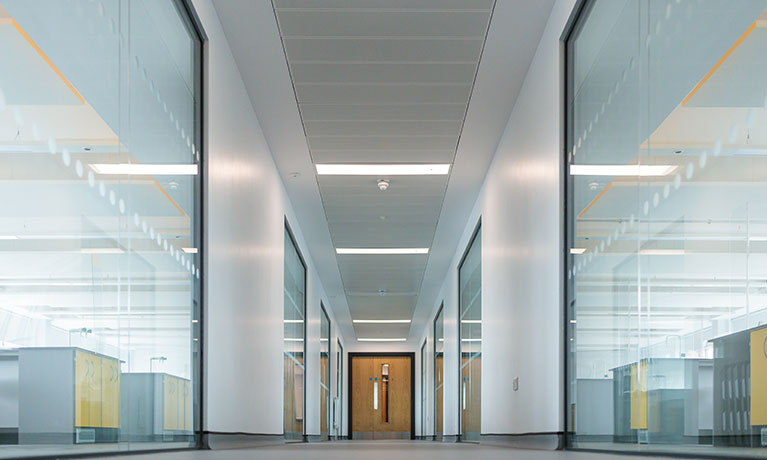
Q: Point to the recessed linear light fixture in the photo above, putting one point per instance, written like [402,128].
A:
[381,170]
[9,237]
[296,321]
[622,170]
[399,339]
[382,250]
[381,321]
[102,251]
[288,339]
[189,250]
[661,252]
[471,321]
[127,169]
[577,250]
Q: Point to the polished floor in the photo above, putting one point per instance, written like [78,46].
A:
[378,450]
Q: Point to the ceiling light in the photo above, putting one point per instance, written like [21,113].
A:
[471,321]
[622,170]
[293,321]
[288,339]
[577,250]
[189,250]
[661,252]
[382,250]
[471,340]
[8,237]
[382,340]
[381,321]
[128,169]
[102,251]
[382,169]
[383,185]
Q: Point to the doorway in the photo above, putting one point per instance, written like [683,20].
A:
[381,396]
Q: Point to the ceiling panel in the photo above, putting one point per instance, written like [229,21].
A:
[383,81]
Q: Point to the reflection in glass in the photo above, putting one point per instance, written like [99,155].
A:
[324,373]
[338,413]
[439,377]
[294,333]
[666,266]
[470,344]
[424,422]
[99,321]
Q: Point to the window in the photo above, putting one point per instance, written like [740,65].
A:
[470,338]
[324,373]
[666,231]
[295,331]
[439,374]
[100,227]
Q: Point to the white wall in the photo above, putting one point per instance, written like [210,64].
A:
[521,222]
[246,207]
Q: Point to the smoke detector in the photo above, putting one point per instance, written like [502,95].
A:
[383,184]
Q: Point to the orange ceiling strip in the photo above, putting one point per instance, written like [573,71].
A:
[47,60]
[720,62]
[596,198]
[165,192]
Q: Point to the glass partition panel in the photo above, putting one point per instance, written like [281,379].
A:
[439,374]
[470,344]
[324,374]
[667,227]
[294,332]
[100,233]
[338,412]
[424,422]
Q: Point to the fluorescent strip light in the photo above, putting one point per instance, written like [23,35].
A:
[381,321]
[145,169]
[471,340]
[382,340]
[293,321]
[382,251]
[189,250]
[577,250]
[471,321]
[622,170]
[8,237]
[382,169]
[293,340]
[661,252]
[102,251]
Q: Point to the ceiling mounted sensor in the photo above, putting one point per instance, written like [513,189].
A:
[368,169]
[383,185]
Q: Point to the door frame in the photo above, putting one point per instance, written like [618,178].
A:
[350,360]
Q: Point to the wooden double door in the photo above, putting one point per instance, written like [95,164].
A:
[381,396]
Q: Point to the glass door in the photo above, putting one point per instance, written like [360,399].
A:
[470,344]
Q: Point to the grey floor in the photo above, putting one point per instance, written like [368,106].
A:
[377,450]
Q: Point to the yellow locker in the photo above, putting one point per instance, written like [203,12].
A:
[639,396]
[94,389]
[187,406]
[759,377]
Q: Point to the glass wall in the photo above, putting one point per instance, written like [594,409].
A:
[667,227]
[439,374]
[295,330]
[424,423]
[338,413]
[100,269]
[470,343]
[324,373]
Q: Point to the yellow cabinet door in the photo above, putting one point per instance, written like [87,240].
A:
[759,377]
[82,393]
[170,403]
[94,390]
[110,388]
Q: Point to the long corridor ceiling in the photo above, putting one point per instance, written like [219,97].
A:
[383,81]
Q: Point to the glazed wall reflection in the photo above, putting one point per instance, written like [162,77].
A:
[99,226]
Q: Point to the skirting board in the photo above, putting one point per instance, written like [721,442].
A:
[450,438]
[224,440]
[543,441]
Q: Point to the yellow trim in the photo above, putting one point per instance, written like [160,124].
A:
[720,62]
[47,59]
